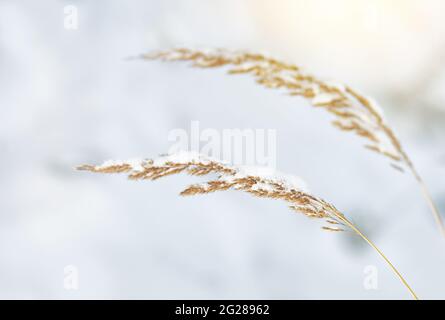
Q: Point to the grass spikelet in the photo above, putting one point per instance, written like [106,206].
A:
[258,183]
[353,112]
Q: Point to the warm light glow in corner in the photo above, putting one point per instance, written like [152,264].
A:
[371,36]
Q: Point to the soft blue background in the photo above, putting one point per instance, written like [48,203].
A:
[69,97]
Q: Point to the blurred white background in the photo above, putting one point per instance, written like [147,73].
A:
[70,96]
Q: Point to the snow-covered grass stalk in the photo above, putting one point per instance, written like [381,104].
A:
[257,181]
[353,111]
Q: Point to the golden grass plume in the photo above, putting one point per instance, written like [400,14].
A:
[259,182]
[353,112]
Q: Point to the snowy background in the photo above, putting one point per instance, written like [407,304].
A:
[70,96]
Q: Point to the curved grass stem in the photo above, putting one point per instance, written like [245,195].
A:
[399,275]
[432,206]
